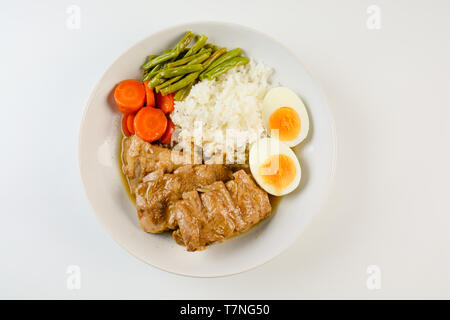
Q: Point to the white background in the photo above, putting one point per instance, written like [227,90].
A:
[388,91]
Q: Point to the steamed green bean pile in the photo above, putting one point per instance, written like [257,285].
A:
[178,69]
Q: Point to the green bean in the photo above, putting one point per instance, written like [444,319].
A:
[200,58]
[225,66]
[214,57]
[182,53]
[153,72]
[159,59]
[149,58]
[190,78]
[167,83]
[156,69]
[178,71]
[197,46]
[170,54]
[230,54]
[146,76]
[157,80]
[183,93]
[211,46]
[184,42]
[160,67]
[180,62]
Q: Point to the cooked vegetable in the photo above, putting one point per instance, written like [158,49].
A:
[180,84]
[130,122]
[181,45]
[145,76]
[167,136]
[149,95]
[156,81]
[150,58]
[183,93]
[125,130]
[214,57]
[153,72]
[178,71]
[165,102]
[230,54]
[150,124]
[156,69]
[200,58]
[187,87]
[225,66]
[159,59]
[197,46]
[184,42]
[129,96]
[168,82]
[183,61]
[190,78]
[211,46]
[180,67]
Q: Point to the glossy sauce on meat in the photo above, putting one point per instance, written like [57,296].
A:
[124,178]
[222,203]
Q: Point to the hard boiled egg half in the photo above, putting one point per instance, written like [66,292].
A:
[284,111]
[274,166]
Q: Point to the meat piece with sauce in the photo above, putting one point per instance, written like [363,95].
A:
[219,212]
[168,198]
[157,194]
[252,201]
[141,158]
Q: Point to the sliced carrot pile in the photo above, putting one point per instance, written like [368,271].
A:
[165,103]
[150,95]
[125,126]
[130,122]
[150,124]
[167,136]
[129,96]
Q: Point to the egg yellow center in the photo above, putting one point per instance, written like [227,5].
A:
[278,171]
[287,121]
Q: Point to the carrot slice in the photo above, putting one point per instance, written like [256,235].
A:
[167,136]
[125,126]
[130,122]
[166,103]
[150,124]
[150,95]
[129,96]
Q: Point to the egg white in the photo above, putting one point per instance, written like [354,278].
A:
[261,151]
[285,97]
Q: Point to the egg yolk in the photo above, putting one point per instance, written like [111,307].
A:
[278,171]
[287,121]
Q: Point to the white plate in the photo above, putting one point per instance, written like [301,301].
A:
[98,160]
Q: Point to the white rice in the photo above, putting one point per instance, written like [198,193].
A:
[229,104]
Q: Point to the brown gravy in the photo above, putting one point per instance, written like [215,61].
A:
[274,200]
[122,175]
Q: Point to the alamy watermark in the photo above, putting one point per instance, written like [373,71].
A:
[373,281]
[374,17]
[73,281]
[224,147]
[73,20]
